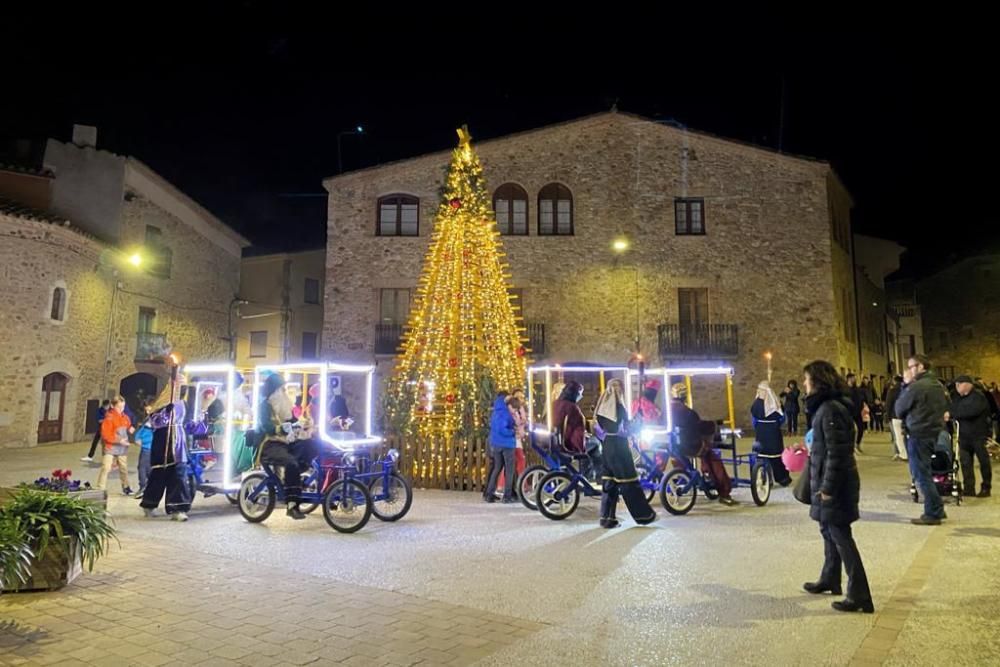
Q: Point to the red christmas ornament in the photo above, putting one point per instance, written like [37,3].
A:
[521,351]
[453,362]
[450,398]
[456,203]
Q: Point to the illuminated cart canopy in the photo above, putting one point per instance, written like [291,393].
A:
[205,384]
[669,376]
[543,379]
[316,384]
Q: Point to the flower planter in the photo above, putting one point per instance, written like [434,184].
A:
[53,571]
[58,566]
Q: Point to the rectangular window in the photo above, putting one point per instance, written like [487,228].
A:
[944,339]
[309,345]
[689,216]
[692,304]
[312,291]
[157,257]
[258,343]
[147,320]
[394,305]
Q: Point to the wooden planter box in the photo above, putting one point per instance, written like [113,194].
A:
[56,569]
[53,571]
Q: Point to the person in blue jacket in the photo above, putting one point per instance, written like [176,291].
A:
[503,441]
[144,437]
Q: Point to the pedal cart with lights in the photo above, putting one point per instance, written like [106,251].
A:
[218,421]
[555,485]
[681,484]
[333,480]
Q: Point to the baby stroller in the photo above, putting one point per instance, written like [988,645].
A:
[944,469]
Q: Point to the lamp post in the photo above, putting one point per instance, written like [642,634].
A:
[357,131]
[116,259]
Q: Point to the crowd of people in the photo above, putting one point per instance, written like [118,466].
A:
[167,439]
[924,415]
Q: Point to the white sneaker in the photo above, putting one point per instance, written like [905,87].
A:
[150,513]
[87,459]
[179,516]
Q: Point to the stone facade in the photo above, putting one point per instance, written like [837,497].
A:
[95,347]
[875,259]
[279,306]
[960,307]
[770,259]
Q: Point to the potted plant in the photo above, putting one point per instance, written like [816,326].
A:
[15,555]
[63,532]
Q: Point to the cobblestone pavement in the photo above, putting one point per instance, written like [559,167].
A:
[461,582]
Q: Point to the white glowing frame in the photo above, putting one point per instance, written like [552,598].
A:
[677,371]
[230,372]
[548,370]
[323,371]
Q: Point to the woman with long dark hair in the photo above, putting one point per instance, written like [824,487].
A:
[835,486]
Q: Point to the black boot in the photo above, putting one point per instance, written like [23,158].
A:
[850,605]
[817,587]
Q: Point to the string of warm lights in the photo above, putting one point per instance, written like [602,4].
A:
[463,327]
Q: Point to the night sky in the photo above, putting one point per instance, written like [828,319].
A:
[240,106]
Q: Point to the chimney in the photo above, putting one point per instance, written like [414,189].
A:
[84,136]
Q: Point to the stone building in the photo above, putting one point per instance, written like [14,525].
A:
[960,308]
[733,250]
[110,269]
[282,317]
[878,324]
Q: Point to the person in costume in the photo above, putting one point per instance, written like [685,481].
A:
[767,420]
[620,477]
[168,474]
[711,463]
[282,443]
[644,406]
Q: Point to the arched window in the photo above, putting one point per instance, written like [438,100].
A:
[555,211]
[57,311]
[398,215]
[510,203]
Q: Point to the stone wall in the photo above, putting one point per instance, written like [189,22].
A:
[766,258]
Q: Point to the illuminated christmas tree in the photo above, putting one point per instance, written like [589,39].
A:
[463,340]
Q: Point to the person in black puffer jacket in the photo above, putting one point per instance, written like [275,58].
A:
[835,486]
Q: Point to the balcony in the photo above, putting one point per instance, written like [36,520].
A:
[151,346]
[388,338]
[535,332]
[698,341]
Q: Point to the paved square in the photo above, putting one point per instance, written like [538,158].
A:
[464,583]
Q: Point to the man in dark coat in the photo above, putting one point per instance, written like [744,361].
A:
[971,411]
[922,405]
[857,396]
[684,421]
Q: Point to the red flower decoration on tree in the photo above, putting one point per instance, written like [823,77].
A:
[521,351]
[456,203]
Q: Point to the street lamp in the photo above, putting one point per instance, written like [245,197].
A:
[620,246]
[114,259]
[357,131]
